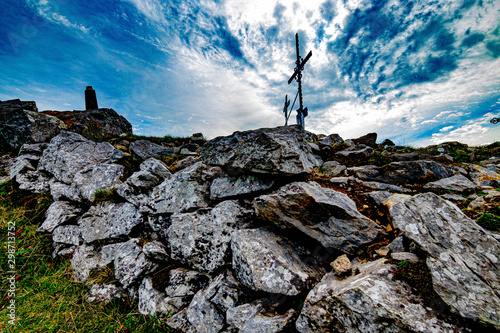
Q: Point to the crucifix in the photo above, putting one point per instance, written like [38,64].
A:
[301,112]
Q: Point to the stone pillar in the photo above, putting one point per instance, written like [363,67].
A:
[90,99]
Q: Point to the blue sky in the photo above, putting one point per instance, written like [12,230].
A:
[417,72]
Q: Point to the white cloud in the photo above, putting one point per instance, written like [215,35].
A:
[49,11]
[446,129]
[152,9]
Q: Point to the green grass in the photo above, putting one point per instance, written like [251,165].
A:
[489,221]
[47,298]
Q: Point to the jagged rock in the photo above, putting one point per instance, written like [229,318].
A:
[369,139]
[478,204]
[341,265]
[280,150]
[180,322]
[387,142]
[458,183]
[399,173]
[329,141]
[370,301]
[238,315]
[68,153]
[226,186]
[19,125]
[187,162]
[105,293]
[87,258]
[354,156]
[453,197]
[377,197]
[264,261]
[201,239]
[247,319]
[405,256]
[462,257]
[481,175]
[67,234]
[34,181]
[61,191]
[203,311]
[185,191]
[394,199]
[153,302]
[332,168]
[184,282]
[155,250]
[95,178]
[159,224]
[405,157]
[146,149]
[397,245]
[131,263]
[384,187]
[326,215]
[109,220]
[94,124]
[23,164]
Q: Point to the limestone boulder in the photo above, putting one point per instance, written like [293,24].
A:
[227,187]
[462,257]
[265,261]
[482,176]
[67,234]
[202,239]
[87,258]
[280,150]
[131,263]
[100,177]
[370,301]
[68,153]
[326,215]
[146,149]
[457,183]
[58,213]
[152,301]
[105,293]
[353,156]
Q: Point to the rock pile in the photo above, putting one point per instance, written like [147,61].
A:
[243,237]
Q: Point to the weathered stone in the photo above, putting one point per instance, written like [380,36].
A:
[453,197]
[326,215]
[264,261]
[399,173]
[458,183]
[180,322]
[105,293]
[387,142]
[184,282]
[68,153]
[99,177]
[87,258]
[394,199]
[369,139]
[153,302]
[405,256]
[96,124]
[145,149]
[370,301]
[61,191]
[109,220]
[462,257]
[481,175]
[188,161]
[34,181]
[185,191]
[227,187]
[397,245]
[385,187]
[332,168]
[280,150]
[268,324]
[155,250]
[329,141]
[352,157]
[377,197]
[478,204]
[341,265]
[131,263]
[238,315]
[67,234]
[201,239]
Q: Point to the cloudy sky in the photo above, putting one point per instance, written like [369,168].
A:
[417,72]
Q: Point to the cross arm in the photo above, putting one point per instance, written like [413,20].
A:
[301,66]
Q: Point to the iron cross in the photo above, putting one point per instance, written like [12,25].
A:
[301,112]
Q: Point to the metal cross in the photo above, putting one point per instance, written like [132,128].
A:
[301,112]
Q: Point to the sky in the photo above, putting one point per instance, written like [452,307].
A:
[416,72]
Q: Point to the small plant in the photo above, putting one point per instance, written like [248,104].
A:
[489,221]
[107,195]
[379,159]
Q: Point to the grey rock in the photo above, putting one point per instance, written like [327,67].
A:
[397,245]
[68,153]
[105,293]
[61,191]
[238,315]
[34,181]
[180,322]
[377,197]
[184,282]
[67,234]
[23,164]
[369,139]
[146,149]
[109,220]
[481,175]
[155,250]
[187,162]
[387,142]
[33,149]
[264,261]
[478,204]
[280,150]
[87,258]
[201,239]
[462,257]
[352,157]
[458,183]
[99,177]
[185,191]
[370,301]
[155,167]
[384,187]
[329,141]
[153,302]
[268,324]
[227,187]
[131,263]
[332,168]
[326,215]
[405,256]
[399,173]
[453,197]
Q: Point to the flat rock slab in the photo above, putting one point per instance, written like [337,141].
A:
[464,259]
[69,153]
[264,261]
[367,302]
[109,220]
[227,187]
[131,263]
[481,175]
[326,215]
[280,150]
[59,212]
[146,149]
[458,183]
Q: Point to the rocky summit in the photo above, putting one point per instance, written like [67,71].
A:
[270,230]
